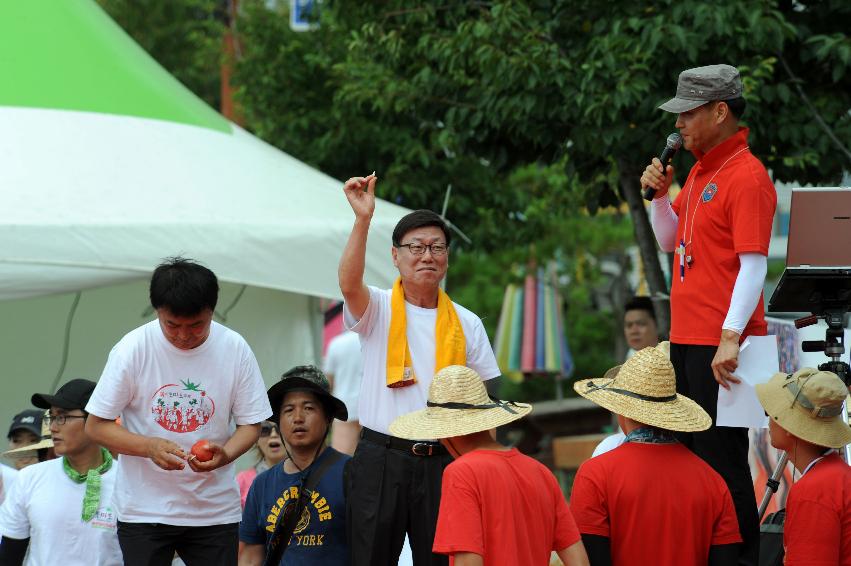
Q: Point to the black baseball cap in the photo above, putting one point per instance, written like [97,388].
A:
[312,380]
[29,420]
[73,395]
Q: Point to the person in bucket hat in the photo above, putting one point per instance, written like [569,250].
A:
[303,409]
[805,420]
[61,509]
[651,500]
[497,505]
[719,227]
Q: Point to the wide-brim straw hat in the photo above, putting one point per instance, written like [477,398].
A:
[458,404]
[808,404]
[644,389]
[45,442]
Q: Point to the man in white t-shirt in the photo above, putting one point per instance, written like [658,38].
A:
[8,475]
[179,381]
[344,368]
[61,509]
[407,334]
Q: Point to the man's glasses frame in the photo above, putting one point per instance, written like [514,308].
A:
[60,420]
[437,249]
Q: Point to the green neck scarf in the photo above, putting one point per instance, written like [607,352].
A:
[91,500]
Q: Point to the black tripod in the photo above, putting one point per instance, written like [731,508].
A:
[833,347]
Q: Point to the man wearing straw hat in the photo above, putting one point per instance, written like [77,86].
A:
[805,411]
[651,500]
[407,333]
[498,505]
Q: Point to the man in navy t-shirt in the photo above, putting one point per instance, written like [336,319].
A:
[304,409]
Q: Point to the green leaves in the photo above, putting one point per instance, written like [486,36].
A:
[533,110]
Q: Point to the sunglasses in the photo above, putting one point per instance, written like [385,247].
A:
[267,428]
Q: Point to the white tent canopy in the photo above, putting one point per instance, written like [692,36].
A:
[108,165]
[92,199]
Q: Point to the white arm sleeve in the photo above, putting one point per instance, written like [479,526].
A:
[664,222]
[747,291]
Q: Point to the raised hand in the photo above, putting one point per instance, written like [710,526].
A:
[361,194]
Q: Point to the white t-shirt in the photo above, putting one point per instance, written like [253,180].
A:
[46,506]
[183,396]
[380,405]
[343,360]
[7,480]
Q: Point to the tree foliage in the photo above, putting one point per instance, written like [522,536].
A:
[184,36]
[534,111]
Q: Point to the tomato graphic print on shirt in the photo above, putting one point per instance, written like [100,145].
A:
[182,408]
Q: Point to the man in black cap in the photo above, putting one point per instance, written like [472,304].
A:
[300,500]
[62,507]
[719,226]
[25,431]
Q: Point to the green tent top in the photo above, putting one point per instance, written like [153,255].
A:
[69,55]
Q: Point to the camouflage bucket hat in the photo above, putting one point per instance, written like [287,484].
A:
[312,380]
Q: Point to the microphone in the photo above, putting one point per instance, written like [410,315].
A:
[672,144]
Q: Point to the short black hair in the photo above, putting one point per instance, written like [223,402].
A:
[419,219]
[183,287]
[640,303]
[737,106]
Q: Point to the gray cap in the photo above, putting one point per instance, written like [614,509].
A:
[698,86]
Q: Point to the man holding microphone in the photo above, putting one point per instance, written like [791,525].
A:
[719,226]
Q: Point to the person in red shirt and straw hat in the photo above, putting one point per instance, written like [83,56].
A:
[805,411]
[498,506]
[651,500]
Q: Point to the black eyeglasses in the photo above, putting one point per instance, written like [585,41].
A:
[436,250]
[60,420]
[267,428]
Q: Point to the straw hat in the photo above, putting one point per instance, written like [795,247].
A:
[45,442]
[808,404]
[644,389]
[458,404]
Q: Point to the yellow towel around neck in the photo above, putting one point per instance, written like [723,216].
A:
[449,343]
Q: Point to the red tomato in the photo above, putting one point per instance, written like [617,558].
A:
[200,451]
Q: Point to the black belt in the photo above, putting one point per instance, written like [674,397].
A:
[415,447]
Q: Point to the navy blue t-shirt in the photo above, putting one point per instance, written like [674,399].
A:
[320,535]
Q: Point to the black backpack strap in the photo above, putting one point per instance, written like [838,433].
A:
[284,529]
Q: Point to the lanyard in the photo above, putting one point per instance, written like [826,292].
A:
[681,249]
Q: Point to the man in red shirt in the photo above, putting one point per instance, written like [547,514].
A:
[805,410]
[719,226]
[651,500]
[497,505]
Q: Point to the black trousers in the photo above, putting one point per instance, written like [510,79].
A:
[723,448]
[391,492]
[154,544]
